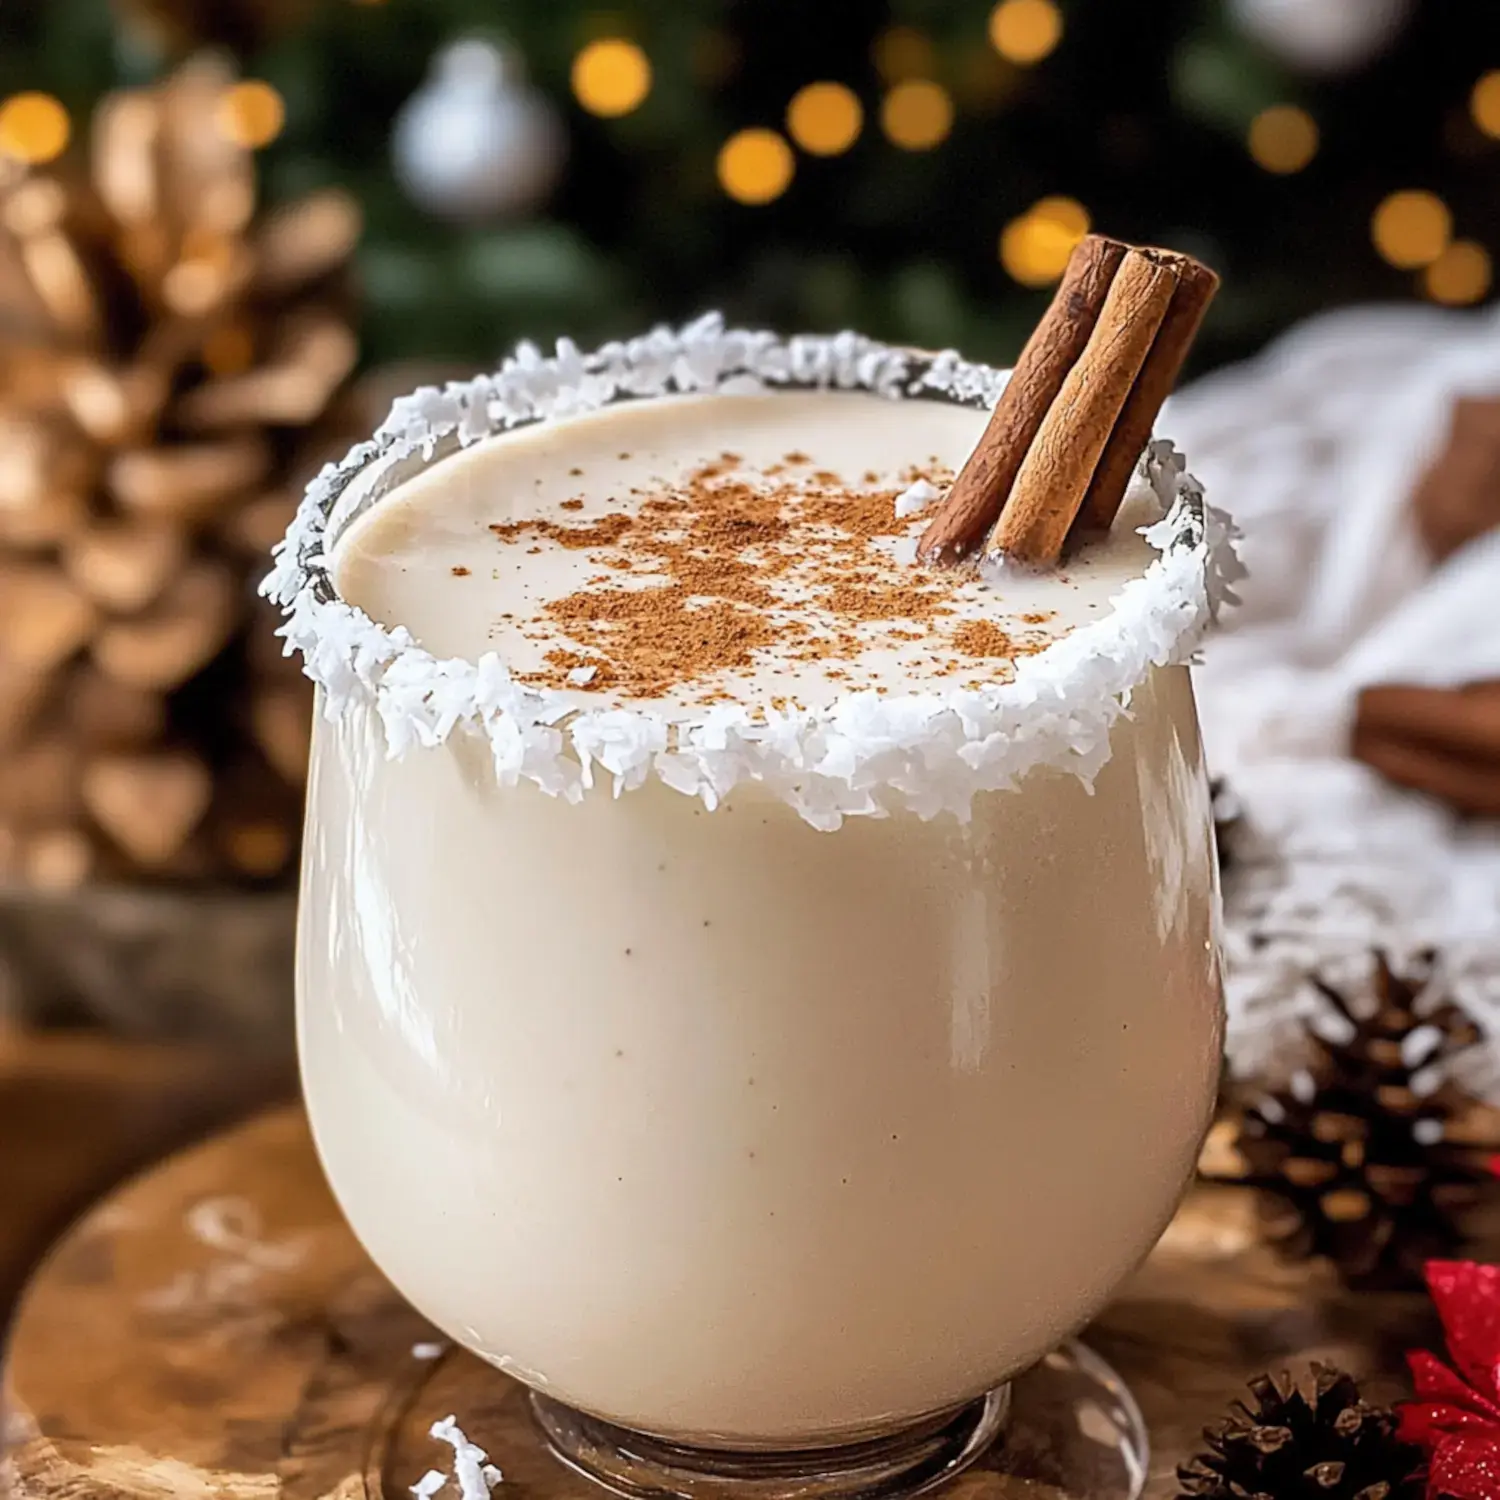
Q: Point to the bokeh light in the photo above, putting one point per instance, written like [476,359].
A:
[825,118]
[34,128]
[917,115]
[1411,229]
[903,52]
[1283,139]
[250,114]
[611,77]
[1025,31]
[1461,275]
[1035,247]
[1067,213]
[755,166]
[1484,104]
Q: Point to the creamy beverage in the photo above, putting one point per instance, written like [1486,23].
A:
[758,538]
[730,1013]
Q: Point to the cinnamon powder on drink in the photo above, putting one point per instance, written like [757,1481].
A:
[709,575]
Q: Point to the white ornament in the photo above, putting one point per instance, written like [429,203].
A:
[1322,36]
[475,142]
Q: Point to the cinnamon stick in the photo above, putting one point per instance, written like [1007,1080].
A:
[1056,472]
[1196,286]
[1471,787]
[1462,721]
[973,504]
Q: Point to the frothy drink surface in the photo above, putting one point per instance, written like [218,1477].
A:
[709,1122]
[713,548]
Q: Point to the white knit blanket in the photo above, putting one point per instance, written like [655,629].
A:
[1315,447]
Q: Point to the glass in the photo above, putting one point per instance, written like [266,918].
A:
[771,1159]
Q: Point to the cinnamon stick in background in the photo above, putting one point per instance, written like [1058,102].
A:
[1076,429]
[1196,286]
[1442,741]
[974,502]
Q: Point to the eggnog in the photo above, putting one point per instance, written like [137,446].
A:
[816,1057]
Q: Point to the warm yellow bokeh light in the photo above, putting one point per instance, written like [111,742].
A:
[611,77]
[250,114]
[825,118]
[1411,229]
[1025,31]
[1484,104]
[1034,248]
[1067,213]
[1460,275]
[903,52]
[755,166]
[1283,139]
[33,128]
[917,115]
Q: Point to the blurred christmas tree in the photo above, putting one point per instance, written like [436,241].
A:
[587,168]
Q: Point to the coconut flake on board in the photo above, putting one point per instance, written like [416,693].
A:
[865,754]
[476,1477]
[916,496]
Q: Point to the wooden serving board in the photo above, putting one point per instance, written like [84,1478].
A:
[212,1331]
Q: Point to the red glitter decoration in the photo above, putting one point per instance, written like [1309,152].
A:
[1455,1418]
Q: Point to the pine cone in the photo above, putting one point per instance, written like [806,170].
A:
[1357,1160]
[1334,1447]
[166,359]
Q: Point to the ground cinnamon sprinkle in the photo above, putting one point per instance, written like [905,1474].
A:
[709,575]
[910,602]
[982,638]
[985,638]
[604,532]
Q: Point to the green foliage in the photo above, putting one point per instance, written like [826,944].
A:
[1140,114]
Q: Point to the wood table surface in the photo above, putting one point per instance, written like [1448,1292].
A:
[213,1331]
[79,1110]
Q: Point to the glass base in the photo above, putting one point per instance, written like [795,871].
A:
[1068,1429]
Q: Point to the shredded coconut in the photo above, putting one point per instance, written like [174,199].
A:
[866,754]
[476,1478]
[429,1484]
[916,496]
[427,1351]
